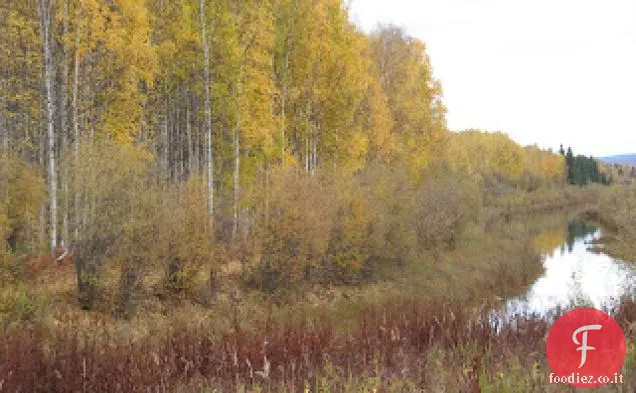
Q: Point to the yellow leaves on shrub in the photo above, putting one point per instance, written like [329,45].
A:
[297,229]
[352,238]
[24,194]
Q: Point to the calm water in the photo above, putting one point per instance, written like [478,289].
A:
[575,277]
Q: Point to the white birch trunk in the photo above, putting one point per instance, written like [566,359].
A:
[283,103]
[179,136]
[4,127]
[266,195]
[314,154]
[42,212]
[46,11]
[4,132]
[308,138]
[164,161]
[189,137]
[65,131]
[237,145]
[208,117]
[76,132]
[197,149]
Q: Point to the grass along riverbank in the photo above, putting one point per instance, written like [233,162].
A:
[417,346]
[615,212]
[418,328]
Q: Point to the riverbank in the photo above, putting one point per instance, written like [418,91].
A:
[617,218]
[484,266]
[409,330]
[400,347]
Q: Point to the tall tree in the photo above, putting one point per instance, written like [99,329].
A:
[253,91]
[76,126]
[414,97]
[208,113]
[569,160]
[64,118]
[46,12]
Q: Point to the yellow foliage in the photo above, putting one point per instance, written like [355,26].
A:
[131,62]
[22,193]
[414,98]
[483,154]
[295,233]
[378,122]
[506,157]
[458,157]
[356,152]
[545,163]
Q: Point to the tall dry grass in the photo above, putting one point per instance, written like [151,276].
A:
[410,346]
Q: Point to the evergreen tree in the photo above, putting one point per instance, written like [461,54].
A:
[582,170]
[569,161]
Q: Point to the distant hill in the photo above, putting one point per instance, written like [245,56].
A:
[621,159]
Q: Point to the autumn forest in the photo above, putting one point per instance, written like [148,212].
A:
[225,158]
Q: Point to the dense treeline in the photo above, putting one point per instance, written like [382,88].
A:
[582,169]
[177,136]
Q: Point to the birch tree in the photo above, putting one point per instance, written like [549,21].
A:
[46,9]
[64,119]
[208,114]
[76,132]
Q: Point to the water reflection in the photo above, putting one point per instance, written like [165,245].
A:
[575,277]
[578,229]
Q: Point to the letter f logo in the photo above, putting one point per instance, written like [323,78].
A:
[584,347]
[569,338]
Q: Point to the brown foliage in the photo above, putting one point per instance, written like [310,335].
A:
[391,342]
[62,261]
[446,206]
[294,236]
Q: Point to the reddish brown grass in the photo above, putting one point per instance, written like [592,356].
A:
[393,341]
[47,264]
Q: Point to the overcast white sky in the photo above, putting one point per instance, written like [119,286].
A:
[544,71]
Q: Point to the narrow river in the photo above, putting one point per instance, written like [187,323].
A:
[575,276]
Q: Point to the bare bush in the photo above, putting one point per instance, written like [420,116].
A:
[445,207]
[294,235]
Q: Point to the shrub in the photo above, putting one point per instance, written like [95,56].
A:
[445,207]
[393,195]
[294,235]
[188,244]
[357,234]
[118,183]
[15,306]
[22,192]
